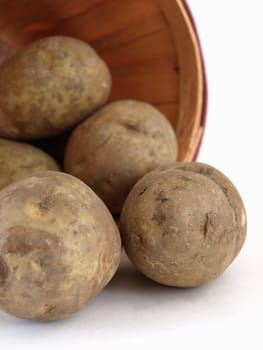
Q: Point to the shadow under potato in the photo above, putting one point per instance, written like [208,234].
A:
[129,279]
[54,146]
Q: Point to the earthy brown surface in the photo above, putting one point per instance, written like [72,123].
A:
[49,86]
[182,226]
[6,51]
[150,46]
[232,195]
[114,148]
[59,246]
[18,160]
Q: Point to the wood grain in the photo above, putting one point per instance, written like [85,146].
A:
[6,51]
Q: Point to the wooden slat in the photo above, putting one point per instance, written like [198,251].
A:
[131,33]
[69,9]
[34,19]
[170,110]
[28,11]
[154,81]
[6,51]
[151,47]
[107,18]
[192,79]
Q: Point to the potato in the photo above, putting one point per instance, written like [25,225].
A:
[59,246]
[183,225]
[18,160]
[114,148]
[49,86]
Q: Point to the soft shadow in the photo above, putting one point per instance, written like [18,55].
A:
[129,279]
[130,298]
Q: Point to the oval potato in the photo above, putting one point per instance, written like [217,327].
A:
[49,86]
[59,246]
[118,145]
[183,225]
[18,160]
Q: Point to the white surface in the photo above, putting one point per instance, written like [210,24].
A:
[134,312]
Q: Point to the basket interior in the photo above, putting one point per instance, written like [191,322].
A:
[150,47]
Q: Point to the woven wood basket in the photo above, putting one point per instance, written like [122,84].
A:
[151,47]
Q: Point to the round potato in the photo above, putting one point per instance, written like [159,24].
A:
[59,246]
[182,226]
[49,86]
[18,160]
[114,148]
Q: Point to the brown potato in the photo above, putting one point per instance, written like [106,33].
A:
[18,160]
[114,148]
[59,246]
[49,86]
[183,226]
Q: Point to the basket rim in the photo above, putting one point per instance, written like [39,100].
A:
[205,83]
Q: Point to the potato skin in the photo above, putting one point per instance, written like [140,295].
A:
[183,225]
[118,145]
[233,197]
[58,248]
[18,160]
[49,86]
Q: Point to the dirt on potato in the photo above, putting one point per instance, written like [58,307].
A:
[59,246]
[183,225]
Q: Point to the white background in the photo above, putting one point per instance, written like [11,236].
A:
[226,314]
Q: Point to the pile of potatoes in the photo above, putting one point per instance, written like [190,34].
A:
[181,224]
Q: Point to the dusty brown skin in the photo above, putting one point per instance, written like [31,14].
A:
[114,148]
[49,86]
[59,246]
[18,160]
[182,226]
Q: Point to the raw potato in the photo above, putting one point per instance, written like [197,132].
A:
[182,226]
[18,160]
[59,246]
[114,148]
[49,86]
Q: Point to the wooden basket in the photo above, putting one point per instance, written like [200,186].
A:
[151,47]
